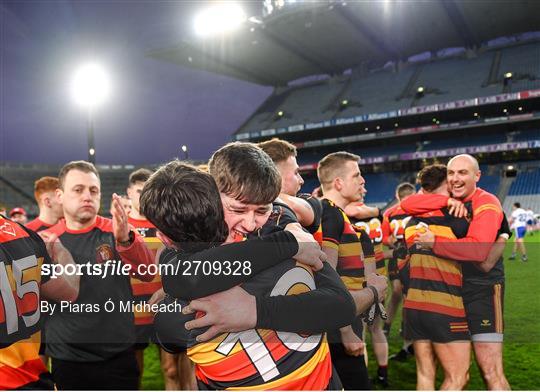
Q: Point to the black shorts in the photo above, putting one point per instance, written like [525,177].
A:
[435,327]
[404,277]
[393,270]
[352,371]
[484,305]
[120,372]
[144,335]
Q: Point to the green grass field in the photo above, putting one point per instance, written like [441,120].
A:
[522,333]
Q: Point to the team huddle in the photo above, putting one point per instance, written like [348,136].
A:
[295,281]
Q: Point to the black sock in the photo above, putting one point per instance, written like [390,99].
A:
[382,371]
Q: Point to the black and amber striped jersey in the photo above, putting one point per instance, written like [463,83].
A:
[142,291]
[394,222]
[373,227]
[340,234]
[266,359]
[435,282]
[22,253]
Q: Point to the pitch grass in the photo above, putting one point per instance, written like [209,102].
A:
[522,334]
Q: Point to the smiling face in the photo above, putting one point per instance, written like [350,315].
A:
[243,218]
[80,197]
[462,176]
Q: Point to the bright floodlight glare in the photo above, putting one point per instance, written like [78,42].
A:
[184,148]
[90,85]
[92,151]
[219,19]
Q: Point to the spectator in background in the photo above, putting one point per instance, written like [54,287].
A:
[50,208]
[18,214]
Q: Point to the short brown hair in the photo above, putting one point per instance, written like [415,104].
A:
[183,202]
[139,175]
[331,164]
[279,150]
[85,167]
[245,172]
[43,185]
[405,189]
[431,177]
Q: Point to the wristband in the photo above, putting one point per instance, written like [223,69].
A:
[375,294]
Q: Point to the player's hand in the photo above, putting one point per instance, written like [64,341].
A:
[426,240]
[119,219]
[56,250]
[354,346]
[456,208]
[232,310]
[380,282]
[309,250]
[157,297]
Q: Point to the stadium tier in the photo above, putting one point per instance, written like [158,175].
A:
[466,75]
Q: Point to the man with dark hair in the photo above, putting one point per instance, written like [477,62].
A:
[233,311]
[25,262]
[434,313]
[194,202]
[393,226]
[342,183]
[93,348]
[50,209]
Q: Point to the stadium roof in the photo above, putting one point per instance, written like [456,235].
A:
[306,39]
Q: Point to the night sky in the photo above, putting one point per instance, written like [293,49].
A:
[155,106]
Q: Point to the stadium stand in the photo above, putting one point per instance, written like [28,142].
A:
[525,189]
[394,87]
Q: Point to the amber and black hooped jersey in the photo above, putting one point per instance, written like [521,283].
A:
[142,291]
[37,225]
[22,252]
[487,217]
[95,334]
[435,282]
[265,359]
[373,227]
[394,222]
[340,234]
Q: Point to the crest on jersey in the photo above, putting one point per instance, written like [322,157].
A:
[8,229]
[104,253]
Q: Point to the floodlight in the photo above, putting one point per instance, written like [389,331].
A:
[510,167]
[420,90]
[219,19]
[280,113]
[91,151]
[90,85]
[520,108]
[508,75]
[184,148]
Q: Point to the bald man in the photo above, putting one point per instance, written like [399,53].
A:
[483,285]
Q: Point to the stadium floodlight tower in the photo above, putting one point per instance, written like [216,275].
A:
[185,151]
[90,88]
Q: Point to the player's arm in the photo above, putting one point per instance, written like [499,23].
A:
[262,253]
[328,307]
[476,246]
[129,244]
[497,249]
[359,210]
[302,209]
